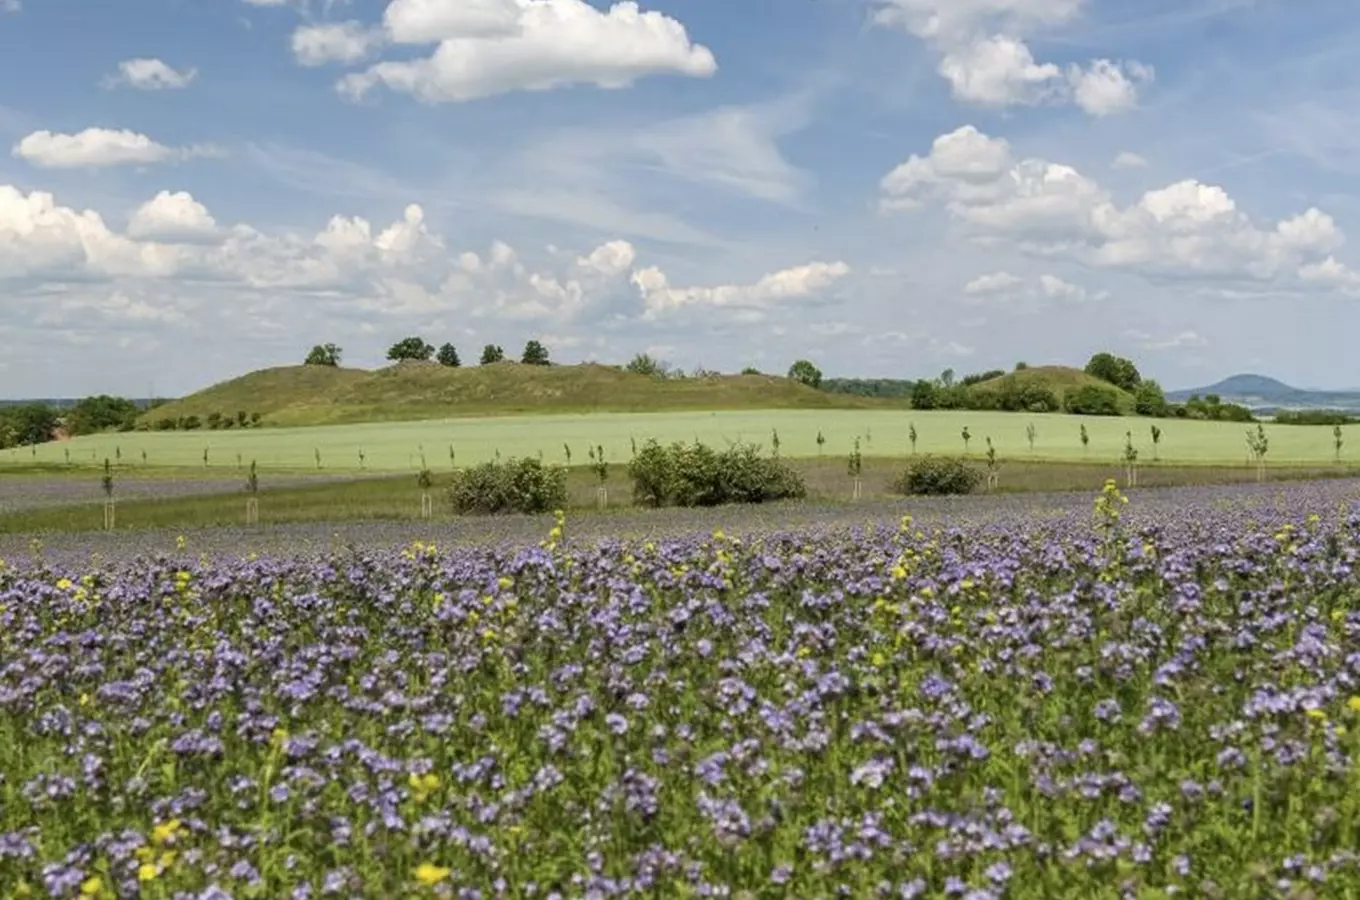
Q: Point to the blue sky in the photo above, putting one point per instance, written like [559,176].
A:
[196,188]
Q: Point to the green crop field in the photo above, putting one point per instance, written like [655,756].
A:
[395,447]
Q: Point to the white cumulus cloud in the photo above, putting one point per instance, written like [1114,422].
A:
[487,48]
[987,62]
[1185,228]
[150,75]
[794,283]
[342,42]
[171,216]
[98,147]
[996,282]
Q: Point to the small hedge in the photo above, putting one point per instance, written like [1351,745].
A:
[517,486]
[1092,400]
[935,475]
[697,475]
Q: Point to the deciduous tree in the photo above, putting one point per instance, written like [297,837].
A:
[448,356]
[411,348]
[324,355]
[804,372]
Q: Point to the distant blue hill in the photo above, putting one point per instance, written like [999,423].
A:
[1263,394]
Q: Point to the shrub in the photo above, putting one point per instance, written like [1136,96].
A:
[937,475]
[697,475]
[1092,400]
[522,486]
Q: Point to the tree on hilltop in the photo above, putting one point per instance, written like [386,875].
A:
[410,348]
[1116,370]
[324,355]
[448,356]
[804,372]
[535,354]
[492,353]
[645,364]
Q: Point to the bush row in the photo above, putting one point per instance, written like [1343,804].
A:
[214,422]
[697,475]
[685,475]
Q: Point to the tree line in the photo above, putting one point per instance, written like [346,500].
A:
[417,349]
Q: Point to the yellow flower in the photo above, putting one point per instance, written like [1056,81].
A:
[179,542]
[1353,704]
[430,874]
[1316,714]
[505,582]
[879,660]
[165,831]
[898,573]
[84,699]
[91,886]
[423,785]
[64,584]
[147,872]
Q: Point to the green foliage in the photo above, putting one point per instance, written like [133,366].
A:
[979,377]
[30,423]
[101,413]
[1149,399]
[856,461]
[1116,370]
[1092,400]
[924,395]
[937,476]
[1314,417]
[513,486]
[492,353]
[1012,396]
[535,354]
[750,370]
[1213,409]
[324,355]
[448,356]
[598,463]
[868,387]
[804,372]
[696,475]
[645,364]
[253,479]
[411,348]
[107,480]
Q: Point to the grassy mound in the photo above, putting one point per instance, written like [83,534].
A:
[1058,379]
[321,395]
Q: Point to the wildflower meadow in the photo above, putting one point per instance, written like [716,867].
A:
[1110,704]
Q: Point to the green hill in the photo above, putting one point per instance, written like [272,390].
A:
[324,395]
[1058,379]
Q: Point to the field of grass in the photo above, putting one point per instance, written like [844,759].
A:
[320,395]
[397,497]
[396,446]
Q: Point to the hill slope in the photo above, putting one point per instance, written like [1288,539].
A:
[322,395]
[1262,393]
[1058,379]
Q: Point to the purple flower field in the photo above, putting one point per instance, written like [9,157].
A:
[1141,700]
